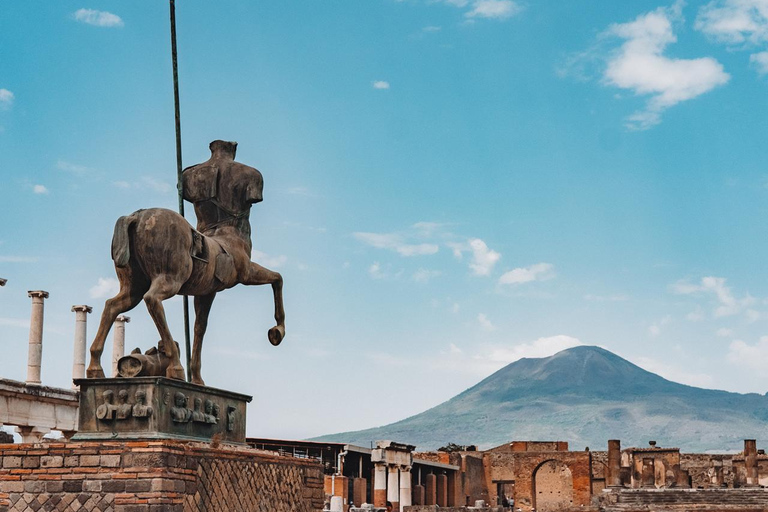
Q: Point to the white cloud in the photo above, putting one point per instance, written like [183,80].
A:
[39,189]
[696,315]
[158,186]
[537,272]
[423,275]
[752,316]
[265,259]
[724,332]
[431,29]
[752,356]
[484,322]
[97,18]
[483,258]
[735,21]
[673,373]
[493,9]
[760,62]
[542,347]
[728,305]
[76,169]
[6,99]
[395,242]
[380,84]
[655,328]
[640,66]
[105,288]
[375,271]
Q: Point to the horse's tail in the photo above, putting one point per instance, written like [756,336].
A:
[121,250]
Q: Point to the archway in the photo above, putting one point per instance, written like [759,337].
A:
[552,487]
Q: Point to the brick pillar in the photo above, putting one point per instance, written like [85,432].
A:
[613,471]
[418,495]
[393,487]
[118,341]
[359,491]
[453,499]
[442,490]
[431,497]
[380,485]
[750,461]
[405,487]
[81,323]
[35,354]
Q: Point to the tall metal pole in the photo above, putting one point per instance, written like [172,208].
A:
[179,182]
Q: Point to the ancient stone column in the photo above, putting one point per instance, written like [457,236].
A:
[118,342]
[442,490]
[750,461]
[613,471]
[431,497]
[393,487]
[405,486]
[35,354]
[81,323]
[380,485]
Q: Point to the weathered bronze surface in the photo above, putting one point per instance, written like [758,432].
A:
[159,408]
[158,254]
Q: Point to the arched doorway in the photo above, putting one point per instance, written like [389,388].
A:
[552,487]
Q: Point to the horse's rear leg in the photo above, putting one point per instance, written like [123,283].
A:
[202,309]
[259,275]
[125,300]
[164,287]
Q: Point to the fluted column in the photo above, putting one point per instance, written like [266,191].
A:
[35,354]
[81,329]
[118,341]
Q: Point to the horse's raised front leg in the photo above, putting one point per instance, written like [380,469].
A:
[259,275]
[202,308]
[125,300]
[164,287]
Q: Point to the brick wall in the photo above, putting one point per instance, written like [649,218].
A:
[154,476]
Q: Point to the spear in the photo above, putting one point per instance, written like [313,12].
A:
[179,182]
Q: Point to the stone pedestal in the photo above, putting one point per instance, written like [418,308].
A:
[159,408]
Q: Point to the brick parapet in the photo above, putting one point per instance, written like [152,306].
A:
[145,476]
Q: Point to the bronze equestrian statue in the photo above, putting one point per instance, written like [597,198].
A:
[158,254]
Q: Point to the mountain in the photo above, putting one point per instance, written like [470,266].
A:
[583,395]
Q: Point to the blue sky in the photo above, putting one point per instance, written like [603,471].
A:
[449,186]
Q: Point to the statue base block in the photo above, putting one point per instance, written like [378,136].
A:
[159,408]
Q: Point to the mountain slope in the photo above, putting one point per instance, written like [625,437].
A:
[584,395]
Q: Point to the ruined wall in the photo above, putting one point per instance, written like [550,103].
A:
[599,471]
[706,469]
[167,476]
[474,485]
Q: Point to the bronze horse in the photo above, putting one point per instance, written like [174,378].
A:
[158,254]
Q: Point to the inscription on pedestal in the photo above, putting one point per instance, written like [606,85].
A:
[157,408]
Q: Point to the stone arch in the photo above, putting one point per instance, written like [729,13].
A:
[552,486]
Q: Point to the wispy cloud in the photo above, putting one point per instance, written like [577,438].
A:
[655,328]
[537,272]
[493,9]
[430,29]
[640,66]
[485,322]
[735,21]
[6,99]
[97,18]
[424,275]
[15,322]
[380,84]
[39,189]
[760,62]
[375,270]
[395,242]
[727,303]
[750,356]
[268,261]
[483,257]
[76,169]
[106,287]
[18,259]
[159,186]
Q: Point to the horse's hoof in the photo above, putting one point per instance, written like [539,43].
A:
[276,334]
[97,373]
[175,373]
[198,381]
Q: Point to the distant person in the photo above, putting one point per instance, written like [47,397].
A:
[389,506]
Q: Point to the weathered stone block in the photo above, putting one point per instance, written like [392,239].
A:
[51,461]
[11,461]
[109,461]
[90,460]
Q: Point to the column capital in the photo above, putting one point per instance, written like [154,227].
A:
[38,293]
[122,318]
[77,309]
[405,469]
